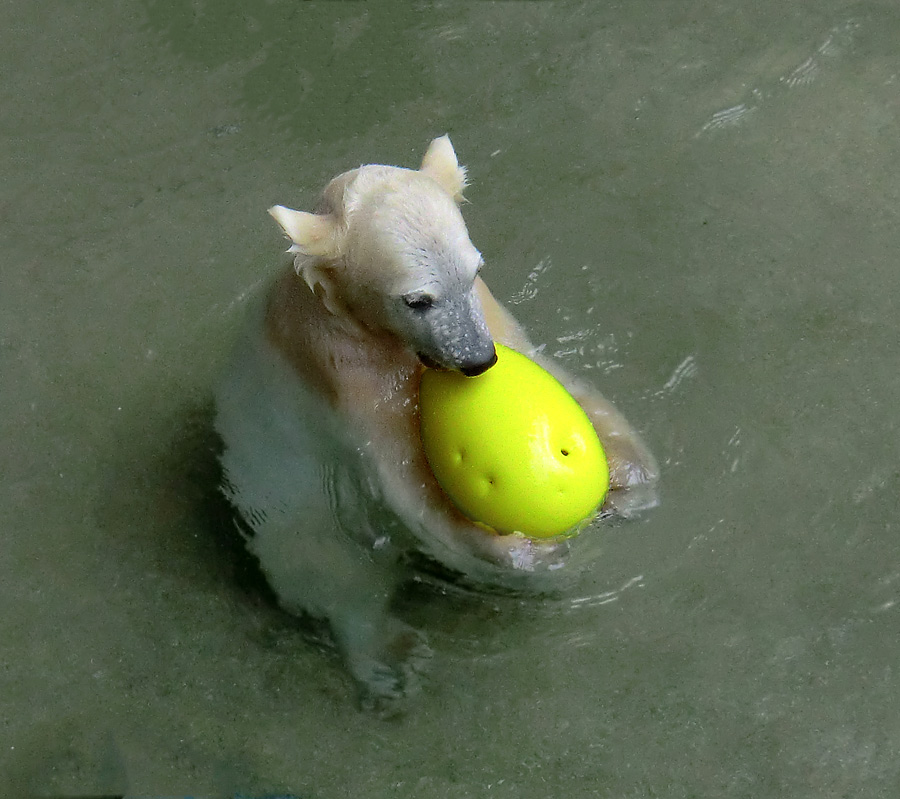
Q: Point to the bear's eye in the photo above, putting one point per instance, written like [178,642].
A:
[418,302]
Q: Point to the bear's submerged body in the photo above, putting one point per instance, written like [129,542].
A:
[319,412]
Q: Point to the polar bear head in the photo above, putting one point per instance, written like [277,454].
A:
[387,250]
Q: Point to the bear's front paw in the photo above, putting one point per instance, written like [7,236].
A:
[634,479]
[391,669]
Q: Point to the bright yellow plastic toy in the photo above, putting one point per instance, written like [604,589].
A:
[512,448]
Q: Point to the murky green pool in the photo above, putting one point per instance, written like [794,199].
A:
[694,204]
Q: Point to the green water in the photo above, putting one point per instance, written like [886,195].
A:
[695,204]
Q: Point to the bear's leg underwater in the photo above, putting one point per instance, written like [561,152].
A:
[285,479]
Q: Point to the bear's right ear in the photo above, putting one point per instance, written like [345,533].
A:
[310,234]
[440,163]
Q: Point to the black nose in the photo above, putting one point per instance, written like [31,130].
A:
[481,368]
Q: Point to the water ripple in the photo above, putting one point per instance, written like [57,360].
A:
[835,44]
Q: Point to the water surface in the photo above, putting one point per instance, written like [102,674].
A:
[694,204]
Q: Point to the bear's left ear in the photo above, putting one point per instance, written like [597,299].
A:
[310,234]
[440,163]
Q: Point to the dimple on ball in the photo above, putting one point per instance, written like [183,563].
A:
[512,448]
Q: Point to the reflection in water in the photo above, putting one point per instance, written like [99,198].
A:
[605,597]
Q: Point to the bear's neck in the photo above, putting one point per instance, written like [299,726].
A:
[351,366]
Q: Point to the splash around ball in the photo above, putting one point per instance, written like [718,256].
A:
[512,448]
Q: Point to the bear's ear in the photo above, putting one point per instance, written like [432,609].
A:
[440,163]
[310,234]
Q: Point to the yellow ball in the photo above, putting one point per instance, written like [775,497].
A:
[512,448]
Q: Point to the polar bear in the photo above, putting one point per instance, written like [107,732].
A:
[319,412]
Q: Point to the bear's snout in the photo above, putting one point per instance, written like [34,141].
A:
[469,366]
[468,369]
[481,368]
